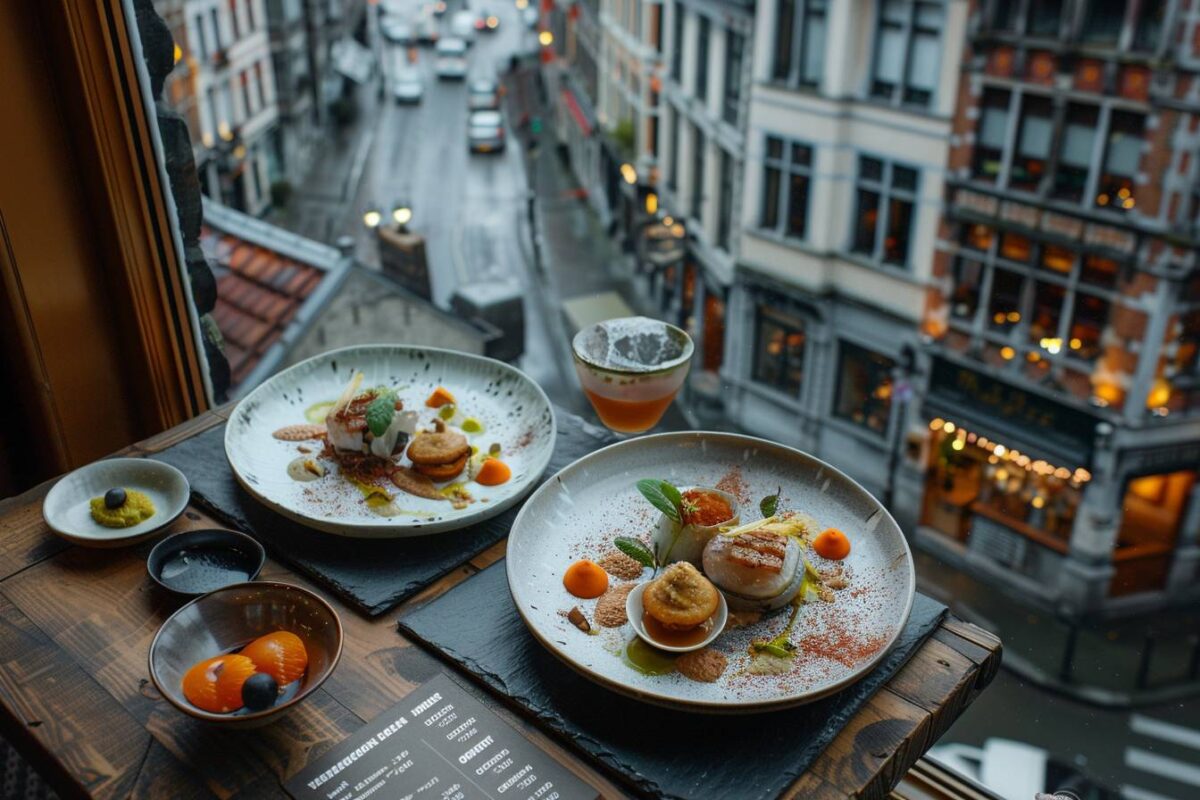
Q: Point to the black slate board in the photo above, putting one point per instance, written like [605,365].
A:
[658,752]
[370,574]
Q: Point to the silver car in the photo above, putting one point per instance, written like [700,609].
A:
[407,88]
[485,132]
[482,95]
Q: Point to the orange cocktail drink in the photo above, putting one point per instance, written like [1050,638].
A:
[631,369]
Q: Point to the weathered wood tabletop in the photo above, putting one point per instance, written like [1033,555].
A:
[75,630]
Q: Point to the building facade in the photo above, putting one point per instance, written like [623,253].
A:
[228,61]
[687,260]
[850,114]
[1059,425]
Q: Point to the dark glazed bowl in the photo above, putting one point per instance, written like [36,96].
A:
[220,558]
[232,617]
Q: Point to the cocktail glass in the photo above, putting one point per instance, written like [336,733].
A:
[631,369]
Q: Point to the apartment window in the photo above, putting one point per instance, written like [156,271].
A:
[779,350]
[1102,22]
[968,282]
[734,49]
[1033,143]
[992,134]
[1121,155]
[907,44]
[1075,152]
[216,26]
[251,24]
[702,36]
[725,203]
[201,38]
[244,80]
[677,43]
[1046,311]
[885,194]
[1004,308]
[234,21]
[260,82]
[1088,320]
[787,173]
[656,27]
[864,394]
[799,57]
[1045,17]
[1149,29]
[697,173]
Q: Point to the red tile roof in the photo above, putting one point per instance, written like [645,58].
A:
[259,291]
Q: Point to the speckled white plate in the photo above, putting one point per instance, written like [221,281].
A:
[577,513]
[513,409]
[67,507]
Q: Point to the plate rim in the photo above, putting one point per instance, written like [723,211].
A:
[118,541]
[387,527]
[708,706]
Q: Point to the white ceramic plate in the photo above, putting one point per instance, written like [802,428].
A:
[513,409]
[577,513]
[67,507]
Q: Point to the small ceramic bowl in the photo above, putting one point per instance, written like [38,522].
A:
[67,508]
[634,610]
[195,562]
[229,619]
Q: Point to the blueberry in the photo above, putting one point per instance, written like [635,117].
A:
[114,498]
[259,691]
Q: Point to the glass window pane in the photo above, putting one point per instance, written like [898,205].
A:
[870,169]
[814,49]
[801,155]
[864,394]
[1088,321]
[1057,259]
[895,11]
[928,16]
[1075,157]
[968,278]
[1102,25]
[1099,271]
[1044,16]
[993,134]
[1015,247]
[979,237]
[1033,144]
[1004,307]
[774,147]
[1047,309]
[770,207]
[895,242]
[867,217]
[904,178]
[1150,25]
[1121,157]
[797,206]
[889,60]
[923,62]
[785,26]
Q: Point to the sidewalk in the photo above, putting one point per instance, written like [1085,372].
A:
[318,205]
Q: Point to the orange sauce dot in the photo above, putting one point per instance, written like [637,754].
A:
[586,579]
[832,544]
[493,472]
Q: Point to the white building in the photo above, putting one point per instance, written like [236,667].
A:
[846,146]
[702,142]
[230,61]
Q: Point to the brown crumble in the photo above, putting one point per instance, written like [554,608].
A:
[704,665]
[610,608]
[621,566]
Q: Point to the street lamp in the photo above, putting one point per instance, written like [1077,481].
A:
[372,218]
[545,38]
[402,215]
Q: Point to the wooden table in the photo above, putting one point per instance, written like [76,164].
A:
[76,625]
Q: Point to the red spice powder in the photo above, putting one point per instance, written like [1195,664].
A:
[734,484]
[707,508]
[841,646]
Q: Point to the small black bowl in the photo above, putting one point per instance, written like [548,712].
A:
[197,562]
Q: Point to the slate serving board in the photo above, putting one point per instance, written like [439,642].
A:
[372,575]
[657,752]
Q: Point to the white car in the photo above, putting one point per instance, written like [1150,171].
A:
[485,132]
[462,26]
[482,95]
[396,31]
[451,60]
[407,88]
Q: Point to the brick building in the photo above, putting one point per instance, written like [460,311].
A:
[1058,433]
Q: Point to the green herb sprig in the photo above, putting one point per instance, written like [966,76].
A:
[663,496]
[636,549]
[770,503]
[381,411]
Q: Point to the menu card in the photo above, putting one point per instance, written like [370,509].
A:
[438,743]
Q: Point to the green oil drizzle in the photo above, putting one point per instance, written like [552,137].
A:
[646,659]
[317,412]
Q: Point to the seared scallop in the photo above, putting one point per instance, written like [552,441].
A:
[757,570]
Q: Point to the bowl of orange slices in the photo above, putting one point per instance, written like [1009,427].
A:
[243,655]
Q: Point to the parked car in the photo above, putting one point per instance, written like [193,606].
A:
[407,87]
[462,26]
[396,31]
[427,29]
[485,132]
[483,95]
[451,60]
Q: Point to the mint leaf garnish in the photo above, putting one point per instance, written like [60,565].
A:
[663,496]
[381,411]
[635,549]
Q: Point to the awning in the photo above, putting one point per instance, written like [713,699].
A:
[581,119]
[352,60]
[1019,419]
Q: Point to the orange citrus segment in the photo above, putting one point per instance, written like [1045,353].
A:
[215,684]
[281,655]
[440,397]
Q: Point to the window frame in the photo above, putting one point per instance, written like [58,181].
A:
[886,190]
[846,348]
[726,166]
[789,323]
[700,78]
[896,97]
[804,13]
[787,167]
[731,94]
